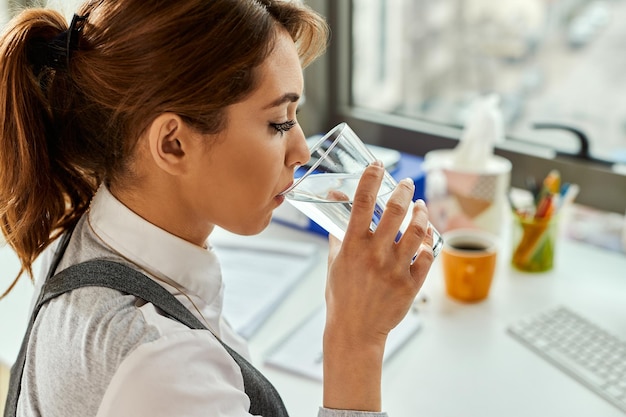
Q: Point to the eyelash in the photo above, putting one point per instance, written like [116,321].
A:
[283,127]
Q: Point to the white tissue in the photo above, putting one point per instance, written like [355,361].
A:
[483,130]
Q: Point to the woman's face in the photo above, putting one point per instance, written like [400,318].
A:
[245,167]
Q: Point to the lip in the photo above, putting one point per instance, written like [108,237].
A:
[282,193]
[279,199]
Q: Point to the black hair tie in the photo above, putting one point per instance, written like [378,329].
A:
[56,53]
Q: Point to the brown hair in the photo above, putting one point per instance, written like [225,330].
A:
[64,130]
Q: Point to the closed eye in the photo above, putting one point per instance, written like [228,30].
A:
[283,127]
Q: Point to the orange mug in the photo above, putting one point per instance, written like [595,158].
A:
[469,263]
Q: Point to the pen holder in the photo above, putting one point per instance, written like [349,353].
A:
[534,241]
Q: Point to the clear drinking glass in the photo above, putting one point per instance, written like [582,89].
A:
[326,190]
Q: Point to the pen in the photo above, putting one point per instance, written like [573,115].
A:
[545,207]
[549,195]
[552,182]
[531,185]
[569,192]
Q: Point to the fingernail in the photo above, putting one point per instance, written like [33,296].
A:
[408,181]
[377,163]
[420,202]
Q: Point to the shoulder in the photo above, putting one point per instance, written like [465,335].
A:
[77,342]
[95,324]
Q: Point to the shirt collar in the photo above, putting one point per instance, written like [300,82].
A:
[153,249]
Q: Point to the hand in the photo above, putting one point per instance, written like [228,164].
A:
[372,282]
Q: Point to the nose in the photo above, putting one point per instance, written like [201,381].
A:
[298,150]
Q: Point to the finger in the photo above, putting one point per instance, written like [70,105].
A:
[416,232]
[422,263]
[429,240]
[423,258]
[336,195]
[395,210]
[364,200]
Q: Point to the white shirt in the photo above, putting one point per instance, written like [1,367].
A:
[119,355]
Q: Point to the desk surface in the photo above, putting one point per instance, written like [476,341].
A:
[462,362]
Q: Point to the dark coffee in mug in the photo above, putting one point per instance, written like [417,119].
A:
[468,246]
[469,260]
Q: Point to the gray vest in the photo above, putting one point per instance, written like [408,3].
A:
[264,399]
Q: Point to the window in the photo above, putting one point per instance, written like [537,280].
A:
[4,12]
[403,73]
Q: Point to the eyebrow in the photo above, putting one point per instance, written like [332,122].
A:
[285,98]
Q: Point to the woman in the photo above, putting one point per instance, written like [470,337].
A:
[127,133]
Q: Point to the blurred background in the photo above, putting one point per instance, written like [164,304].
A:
[551,61]
[404,73]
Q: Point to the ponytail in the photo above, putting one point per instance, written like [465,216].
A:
[42,193]
[66,124]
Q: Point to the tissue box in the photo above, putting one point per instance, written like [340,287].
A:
[407,166]
[467,198]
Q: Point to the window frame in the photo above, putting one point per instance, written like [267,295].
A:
[327,88]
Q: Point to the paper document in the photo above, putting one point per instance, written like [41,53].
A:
[258,274]
[301,351]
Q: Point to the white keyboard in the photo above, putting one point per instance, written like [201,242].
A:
[582,349]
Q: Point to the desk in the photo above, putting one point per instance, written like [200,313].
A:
[462,362]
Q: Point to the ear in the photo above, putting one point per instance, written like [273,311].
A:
[169,141]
